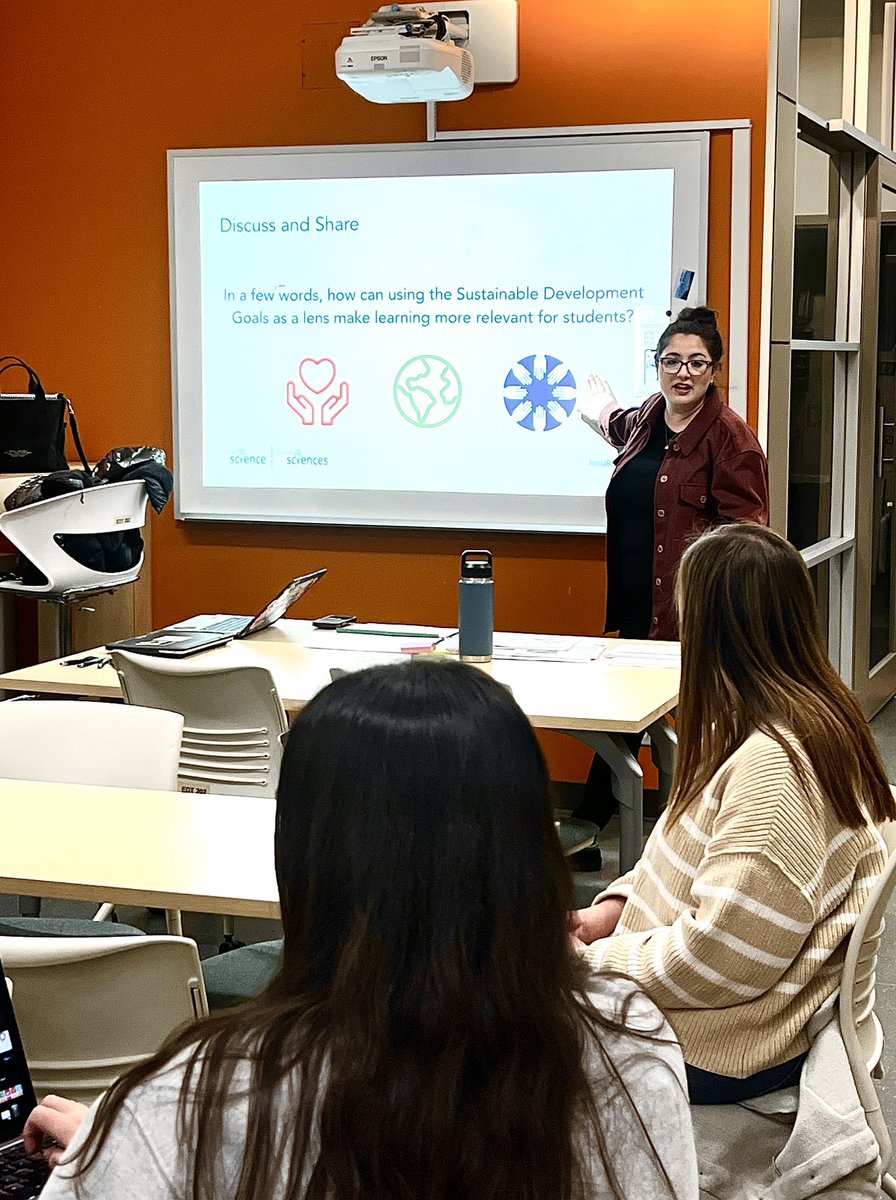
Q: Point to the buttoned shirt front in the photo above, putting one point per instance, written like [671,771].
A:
[714,473]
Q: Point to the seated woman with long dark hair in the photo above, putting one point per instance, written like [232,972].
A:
[736,919]
[430,1035]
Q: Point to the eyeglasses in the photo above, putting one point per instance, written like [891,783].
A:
[695,366]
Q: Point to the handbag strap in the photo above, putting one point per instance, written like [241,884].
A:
[76,437]
[35,386]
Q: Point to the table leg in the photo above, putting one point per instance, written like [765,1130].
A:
[663,744]
[173,922]
[628,788]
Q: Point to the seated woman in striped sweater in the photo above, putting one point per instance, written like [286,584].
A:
[735,921]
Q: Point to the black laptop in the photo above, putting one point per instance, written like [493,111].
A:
[21,1178]
[180,641]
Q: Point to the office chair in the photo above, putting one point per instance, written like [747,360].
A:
[90,1008]
[859,1024]
[38,531]
[233,724]
[75,741]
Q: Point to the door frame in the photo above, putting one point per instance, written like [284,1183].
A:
[877,685]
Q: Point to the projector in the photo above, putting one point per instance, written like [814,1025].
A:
[406,55]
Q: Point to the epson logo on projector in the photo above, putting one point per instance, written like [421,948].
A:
[379,58]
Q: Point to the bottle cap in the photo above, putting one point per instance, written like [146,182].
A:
[476,564]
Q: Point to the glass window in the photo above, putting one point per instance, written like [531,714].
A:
[821,56]
[812,381]
[815,244]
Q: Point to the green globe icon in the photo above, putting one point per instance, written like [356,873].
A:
[427,391]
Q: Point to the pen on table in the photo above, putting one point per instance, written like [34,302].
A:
[90,661]
[404,633]
[102,662]
[444,638]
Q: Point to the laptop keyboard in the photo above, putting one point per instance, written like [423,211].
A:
[229,625]
[21,1178]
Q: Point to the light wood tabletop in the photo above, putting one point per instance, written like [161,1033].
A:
[595,702]
[172,850]
[604,694]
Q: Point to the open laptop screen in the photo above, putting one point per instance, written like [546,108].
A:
[277,608]
[16,1091]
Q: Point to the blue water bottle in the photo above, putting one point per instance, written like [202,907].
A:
[476,606]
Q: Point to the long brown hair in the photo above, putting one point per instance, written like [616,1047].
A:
[752,659]
[429,1018]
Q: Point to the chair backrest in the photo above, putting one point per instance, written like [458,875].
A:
[110,508]
[861,1030]
[75,741]
[233,720]
[89,1008]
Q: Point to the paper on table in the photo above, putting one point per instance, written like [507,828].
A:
[537,646]
[641,654]
[545,647]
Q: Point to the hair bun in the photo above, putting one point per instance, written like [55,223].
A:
[699,316]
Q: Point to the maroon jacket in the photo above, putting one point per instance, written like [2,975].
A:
[714,472]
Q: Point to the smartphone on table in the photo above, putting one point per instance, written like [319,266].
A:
[333,621]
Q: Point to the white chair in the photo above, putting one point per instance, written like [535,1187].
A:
[89,1008]
[860,1027]
[234,722]
[36,529]
[76,741]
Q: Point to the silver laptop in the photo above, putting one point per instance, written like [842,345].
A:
[21,1178]
[180,641]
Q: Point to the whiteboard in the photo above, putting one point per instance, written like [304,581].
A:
[403,335]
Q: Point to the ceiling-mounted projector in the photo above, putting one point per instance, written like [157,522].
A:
[405,54]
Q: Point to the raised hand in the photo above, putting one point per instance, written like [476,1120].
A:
[598,405]
[539,419]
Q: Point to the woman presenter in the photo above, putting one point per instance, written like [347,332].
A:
[687,461]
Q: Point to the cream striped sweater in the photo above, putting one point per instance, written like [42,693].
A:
[736,918]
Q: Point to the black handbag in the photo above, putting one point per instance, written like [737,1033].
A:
[32,426]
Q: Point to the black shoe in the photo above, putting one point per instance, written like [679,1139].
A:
[587,860]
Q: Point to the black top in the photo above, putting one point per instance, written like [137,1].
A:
[630,525]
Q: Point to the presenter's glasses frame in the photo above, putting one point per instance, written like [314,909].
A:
[695,366]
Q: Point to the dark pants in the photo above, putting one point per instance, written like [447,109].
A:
[706,1088]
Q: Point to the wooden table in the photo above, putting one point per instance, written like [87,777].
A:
[594,702]
[172,850]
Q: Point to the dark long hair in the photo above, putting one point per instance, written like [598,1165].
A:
[429,1009]
[752,658]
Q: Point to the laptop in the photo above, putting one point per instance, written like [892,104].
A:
[21,1178]
[205,633]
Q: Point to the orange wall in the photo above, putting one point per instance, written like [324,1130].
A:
[93,94]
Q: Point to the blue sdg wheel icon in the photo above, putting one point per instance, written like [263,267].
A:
[540,392]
